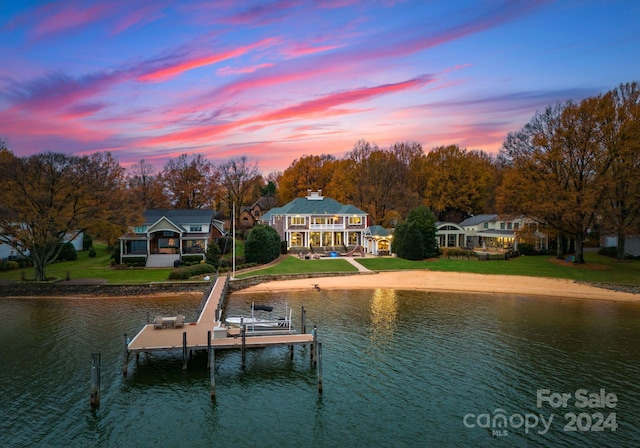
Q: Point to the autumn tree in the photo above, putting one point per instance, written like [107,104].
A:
[621,132]
[190,182]
[374,180]
[559,168]
[458,182]
[309,172]
[51,198]
[146,186]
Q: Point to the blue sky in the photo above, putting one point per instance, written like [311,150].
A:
[275,80]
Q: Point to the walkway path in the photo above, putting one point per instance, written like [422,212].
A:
[360,267]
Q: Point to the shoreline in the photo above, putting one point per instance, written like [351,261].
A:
[423,280]
[455,282]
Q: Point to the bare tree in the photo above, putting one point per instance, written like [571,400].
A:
[238,177]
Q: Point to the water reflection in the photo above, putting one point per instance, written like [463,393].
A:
[383,311]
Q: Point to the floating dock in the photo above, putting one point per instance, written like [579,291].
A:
[210,333]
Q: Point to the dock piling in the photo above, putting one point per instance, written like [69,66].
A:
[95,380]
[314,345]
[184,350]
[243,334]
[303,321]
[209,347]
[125,365]
[319,367]
[212,371]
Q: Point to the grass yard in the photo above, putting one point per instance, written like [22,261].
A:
[293,265]
[598,269]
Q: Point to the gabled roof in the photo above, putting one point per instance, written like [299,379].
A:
[323,206]
[179,217]
[377,230]
[478,219]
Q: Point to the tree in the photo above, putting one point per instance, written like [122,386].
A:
[238,178]
[309,172]
[213,253]
[376,180]
[262,245]
[622,140]
[190,182]
[51,198]
[458,182]
[146,187]
[560,159]
[415,238]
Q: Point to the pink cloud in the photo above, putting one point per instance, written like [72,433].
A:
[69,16]
[170,70]
[142,16]
[228,71]
[323,106]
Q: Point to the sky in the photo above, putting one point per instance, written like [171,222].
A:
[277,80]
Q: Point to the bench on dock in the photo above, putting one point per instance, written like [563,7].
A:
[161,322]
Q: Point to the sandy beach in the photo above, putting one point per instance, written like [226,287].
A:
[451,282]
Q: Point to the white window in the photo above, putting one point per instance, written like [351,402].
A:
[297,221]
[355,220]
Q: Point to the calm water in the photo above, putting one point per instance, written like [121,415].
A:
[400,369]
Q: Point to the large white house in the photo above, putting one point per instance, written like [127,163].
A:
[316,221]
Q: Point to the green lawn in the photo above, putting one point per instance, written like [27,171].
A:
[293,265]
[598,269]
[97,267]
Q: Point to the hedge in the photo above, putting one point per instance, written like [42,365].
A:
[187,272]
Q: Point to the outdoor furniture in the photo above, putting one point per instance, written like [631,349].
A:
[168,322]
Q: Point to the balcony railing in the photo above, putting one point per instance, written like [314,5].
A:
[339,226]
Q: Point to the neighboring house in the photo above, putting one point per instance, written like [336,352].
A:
[7,251]
[631,243]
[449,234]
[492,231]
[166,235]
[377,240]
[251,214]
[316,221]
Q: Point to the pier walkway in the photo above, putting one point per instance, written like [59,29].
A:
[208,331]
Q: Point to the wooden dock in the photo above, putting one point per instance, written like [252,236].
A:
[208,333]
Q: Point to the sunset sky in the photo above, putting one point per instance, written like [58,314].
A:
[275,80]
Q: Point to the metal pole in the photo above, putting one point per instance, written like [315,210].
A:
[95,380]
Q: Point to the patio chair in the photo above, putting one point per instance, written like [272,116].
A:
[157,323]
[179,321]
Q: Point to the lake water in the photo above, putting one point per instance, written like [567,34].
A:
[399,369]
